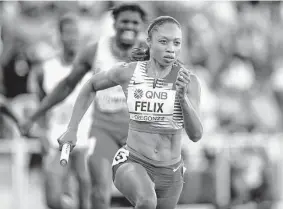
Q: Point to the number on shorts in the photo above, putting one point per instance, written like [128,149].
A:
[121,156]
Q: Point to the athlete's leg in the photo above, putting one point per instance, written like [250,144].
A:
[68,197]
[187,187]
[168,184]
[132,180]
[79,166]
[55,175]
[100,169]
[171,201]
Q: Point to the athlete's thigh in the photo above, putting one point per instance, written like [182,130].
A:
[54,175]
[79,161]
[171,201]
[100,160]
[52,165]
[53,187]
[105,146]
[132,180]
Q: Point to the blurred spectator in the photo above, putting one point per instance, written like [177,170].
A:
[16,69]
[250,176]
[209,115]
[235,82]
[277,85]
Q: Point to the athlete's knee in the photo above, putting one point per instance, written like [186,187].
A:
[53,201]
[67,202]
[99,169]
[83,177]
[101,189]
[101,194]
[146,202]
[93,161]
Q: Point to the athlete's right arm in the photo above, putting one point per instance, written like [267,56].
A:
[82,64]
[118,75]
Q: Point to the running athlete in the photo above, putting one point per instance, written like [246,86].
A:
[47,76]
[111,118]
[163,98]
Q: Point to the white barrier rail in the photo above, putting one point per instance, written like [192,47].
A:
[20,150]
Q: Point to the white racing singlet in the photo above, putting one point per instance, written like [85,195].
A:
[54,72]
[110,106]
[113,99]
[153,104]
[110,109]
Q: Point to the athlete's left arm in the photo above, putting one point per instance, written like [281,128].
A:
[190,107]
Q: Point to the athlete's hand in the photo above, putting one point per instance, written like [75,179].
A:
[182,82]
[70,137]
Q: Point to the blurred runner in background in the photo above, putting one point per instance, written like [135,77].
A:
[110,119]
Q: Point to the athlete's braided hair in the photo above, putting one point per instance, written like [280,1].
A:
[143,54]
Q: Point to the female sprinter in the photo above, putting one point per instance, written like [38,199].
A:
[163,98]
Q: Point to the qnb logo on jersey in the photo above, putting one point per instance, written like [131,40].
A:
[156,95]
[138,93]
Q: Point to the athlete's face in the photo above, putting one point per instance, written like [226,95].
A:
[127,25]
[165,43]
[70,36]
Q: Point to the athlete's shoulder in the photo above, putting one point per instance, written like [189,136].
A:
[126,65]
[122,71]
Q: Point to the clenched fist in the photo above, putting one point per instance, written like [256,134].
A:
[182,82]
